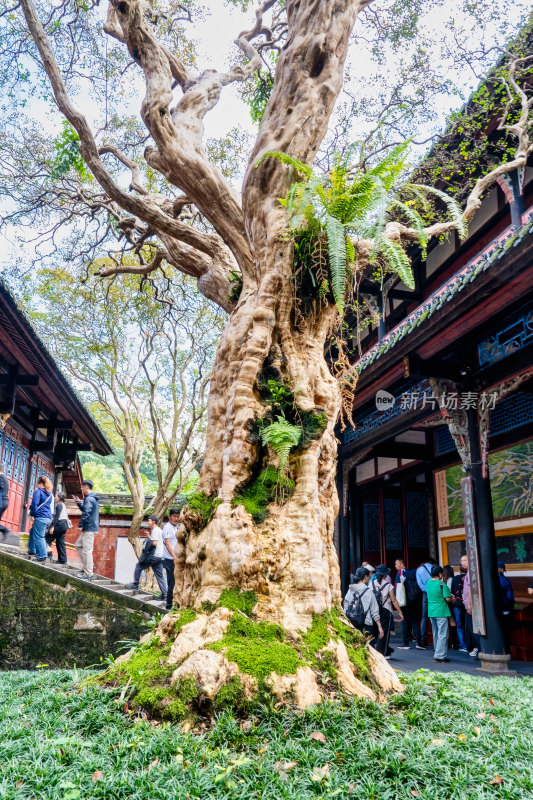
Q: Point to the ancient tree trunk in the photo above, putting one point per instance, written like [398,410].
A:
[289,559]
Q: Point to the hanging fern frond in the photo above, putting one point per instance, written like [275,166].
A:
[282,437]
[390,168]
[337,259]
[416,222]
[454,209]
[285,158]
[350,250]
[395,259]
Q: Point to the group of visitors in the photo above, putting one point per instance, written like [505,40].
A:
[430,592]
[159,553]
[50,522]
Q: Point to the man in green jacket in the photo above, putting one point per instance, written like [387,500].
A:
[439,596]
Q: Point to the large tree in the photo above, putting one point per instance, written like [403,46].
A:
[264,514]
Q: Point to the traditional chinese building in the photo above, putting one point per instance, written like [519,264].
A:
[442,446]
[44,424]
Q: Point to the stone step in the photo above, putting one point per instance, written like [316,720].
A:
[108,584]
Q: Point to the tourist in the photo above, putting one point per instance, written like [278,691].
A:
[507,603]
[371,569]
[411,608]
[448,575]
[384,592]
[4,498]
[88,525]
[152,556]
[169,543]
[459,607]
[423,575]
[439,597]
[41,513]
[467,600]
[58,530]
[371,621]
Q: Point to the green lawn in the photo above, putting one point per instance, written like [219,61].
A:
[449,736]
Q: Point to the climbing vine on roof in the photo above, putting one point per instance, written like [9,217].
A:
[472,144]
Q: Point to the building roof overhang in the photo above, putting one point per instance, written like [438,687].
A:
[491,281]
[43,386]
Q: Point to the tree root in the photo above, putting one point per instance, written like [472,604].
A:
[193,664]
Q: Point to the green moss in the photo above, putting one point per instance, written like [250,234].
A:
[235,282]
[269,487]
[231,696]
[186,689]
[355,644]
[359,658]
[313,424]
[121,511]
[175,711]
[332,625]
[204,505]
[185,616]
[236,600]
[148,675]
[318,634]
[258,648]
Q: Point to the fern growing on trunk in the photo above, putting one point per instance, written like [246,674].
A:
[350,204]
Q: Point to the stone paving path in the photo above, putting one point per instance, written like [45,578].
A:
[411,660]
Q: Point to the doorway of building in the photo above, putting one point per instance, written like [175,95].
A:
[393,523]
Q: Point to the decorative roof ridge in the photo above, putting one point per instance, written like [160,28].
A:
[468,273]
[18,309]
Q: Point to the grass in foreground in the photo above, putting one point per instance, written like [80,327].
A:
[449,736]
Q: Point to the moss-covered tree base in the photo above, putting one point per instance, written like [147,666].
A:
[195,663]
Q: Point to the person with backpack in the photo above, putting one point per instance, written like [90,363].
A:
[409,599]
[41,512]
[423,575]
[386,598]
[152,556]
[361,607]
[459,611]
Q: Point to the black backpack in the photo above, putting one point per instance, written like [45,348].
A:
[355,611]
[413,593]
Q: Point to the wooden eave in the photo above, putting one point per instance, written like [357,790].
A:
[508,280]
[53,395]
